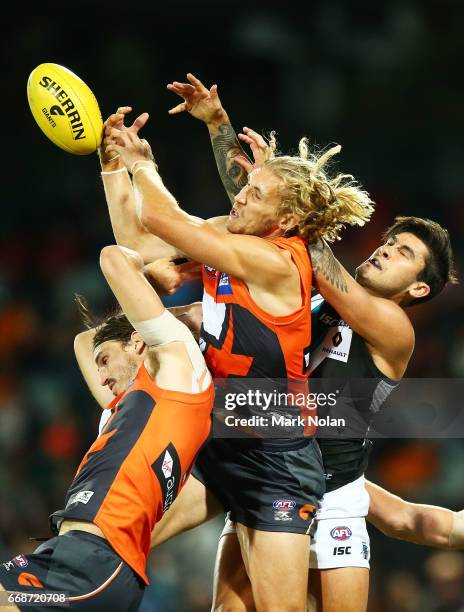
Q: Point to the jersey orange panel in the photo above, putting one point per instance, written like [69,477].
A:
[241,339]
[135,469]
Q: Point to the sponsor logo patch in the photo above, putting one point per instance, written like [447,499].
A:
[282,515]
[8,565]
[365,550]
[167,465]
[20,561]
[341,533]
[211,272]
[82,497]
[224,286]
[168,472]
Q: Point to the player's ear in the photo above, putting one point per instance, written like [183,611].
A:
[418,290]
[288,222]
[139,344]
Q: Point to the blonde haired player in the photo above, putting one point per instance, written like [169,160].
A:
[256,267]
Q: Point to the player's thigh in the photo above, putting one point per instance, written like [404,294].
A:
[232,588]
[193,506]
[277,565]
[3,600]
[342,589]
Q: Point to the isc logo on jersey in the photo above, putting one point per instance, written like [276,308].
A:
[341,533]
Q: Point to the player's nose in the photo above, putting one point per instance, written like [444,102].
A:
[240,198]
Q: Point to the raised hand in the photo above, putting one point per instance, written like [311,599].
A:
[202,103]
[259,148]
[116,121]
[128,145]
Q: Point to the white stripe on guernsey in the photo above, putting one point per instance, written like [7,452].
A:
[100,588]
[105,416]
[213,315]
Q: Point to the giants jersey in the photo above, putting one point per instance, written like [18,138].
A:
[240,339]
[135,469]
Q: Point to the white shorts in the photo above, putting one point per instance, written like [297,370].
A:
[339,537]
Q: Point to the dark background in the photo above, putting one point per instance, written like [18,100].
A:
[382,79]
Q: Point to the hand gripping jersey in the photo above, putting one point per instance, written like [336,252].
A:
[135,469]
[238,338]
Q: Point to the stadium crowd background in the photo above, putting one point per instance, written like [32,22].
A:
[382,80]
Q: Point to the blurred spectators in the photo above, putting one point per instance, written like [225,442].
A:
[380,81]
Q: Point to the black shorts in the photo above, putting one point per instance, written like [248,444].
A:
[270,489]
[79,564]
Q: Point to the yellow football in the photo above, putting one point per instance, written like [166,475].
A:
[65,109]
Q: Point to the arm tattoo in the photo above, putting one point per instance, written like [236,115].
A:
[325,264]
[226,147]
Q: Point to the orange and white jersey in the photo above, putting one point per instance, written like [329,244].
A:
[240,339]
[138,464]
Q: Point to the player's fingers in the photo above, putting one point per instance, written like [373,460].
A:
[244,163]
[196,82]
[124,110]
[114,148]
[180,108]
[256,137]
[213,91]
[139,122]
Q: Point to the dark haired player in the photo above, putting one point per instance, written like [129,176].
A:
[374,340]
[162,396]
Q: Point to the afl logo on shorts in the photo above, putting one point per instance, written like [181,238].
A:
[21,561]
[284,504]
[341,533]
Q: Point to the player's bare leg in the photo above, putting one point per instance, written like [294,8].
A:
[194,506]
[232,588]
[277,565]
[342,589]
[9,607]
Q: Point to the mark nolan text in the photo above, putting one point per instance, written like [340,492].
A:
[283,421]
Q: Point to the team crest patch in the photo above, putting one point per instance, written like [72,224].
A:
[210,272]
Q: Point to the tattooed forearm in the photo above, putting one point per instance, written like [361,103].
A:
[326,265]
[226,147]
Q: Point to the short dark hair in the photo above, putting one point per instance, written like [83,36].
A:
[439,268]
[113,326]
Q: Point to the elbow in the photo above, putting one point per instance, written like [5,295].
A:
[110,258]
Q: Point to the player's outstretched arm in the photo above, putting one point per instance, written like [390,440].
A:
[127,228]
[171,346]
[204,104]
[243,256]
[381,322]
[417,523]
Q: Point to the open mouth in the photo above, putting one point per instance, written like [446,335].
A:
[234,212]
[375,262]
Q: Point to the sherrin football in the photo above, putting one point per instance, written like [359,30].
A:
[65,109]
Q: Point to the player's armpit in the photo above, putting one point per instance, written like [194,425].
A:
[83,349]
[381,322]
[417,523]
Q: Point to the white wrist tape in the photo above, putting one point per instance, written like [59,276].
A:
[146,164]
[113,171]
[165,329]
